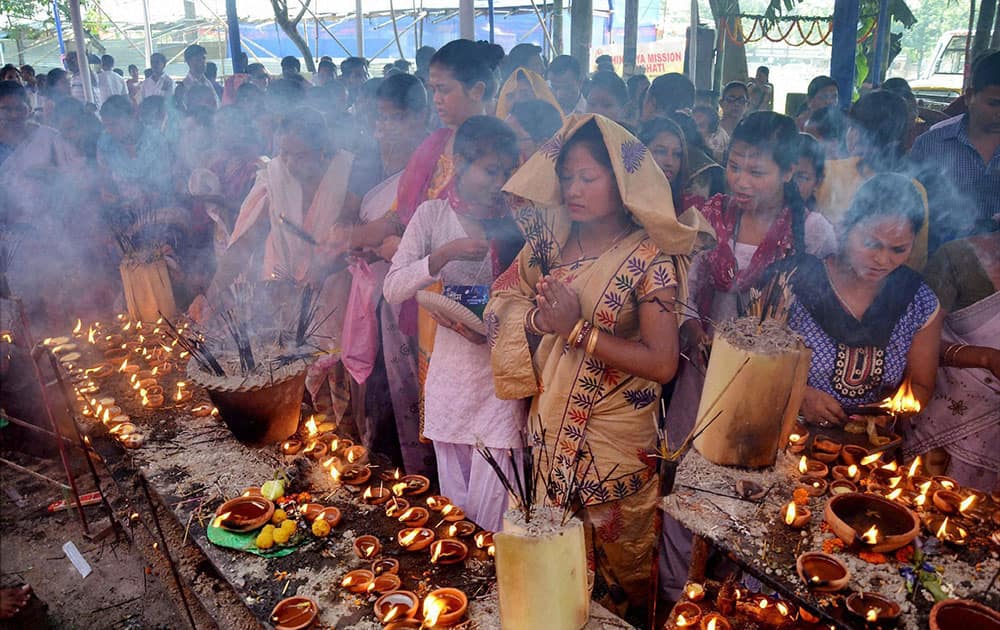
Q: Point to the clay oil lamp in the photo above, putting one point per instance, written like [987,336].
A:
[483,539]
[310,511]
[950,532]
[294,613]
[315,450]
[132,440]
[390,475]
[686,614]
[396,506]
[376,496]
[461,529]
[152,401]
[946,482]
[117,355]
[796,516]
[414,517]
[796,443]
[357,454]
[385,565]
[357,581]
[252,492]
[397,606]
[415,538]
[244,514]
[289,447]
[873,609]
[415,484]
[826,449]
[182,395]
[694,592]
[714,621]
[452,513]
[853,454]
[355,475]
[948,501]
[331,515]
[367,547]
[340,445]
[448,551]
[385,583]
[50,342]
[101,370]
[436,503]
[123,429]
[850,473]
[872,520]
[444,607]
[203,410]
[815,487]
[119,419]
[812,468]
[822,572]
[963,614]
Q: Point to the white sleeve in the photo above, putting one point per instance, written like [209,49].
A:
[821,239]
[410,270]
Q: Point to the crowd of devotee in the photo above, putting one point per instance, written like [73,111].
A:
[664,208]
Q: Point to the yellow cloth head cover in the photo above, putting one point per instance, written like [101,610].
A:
[644,189]
[539,87]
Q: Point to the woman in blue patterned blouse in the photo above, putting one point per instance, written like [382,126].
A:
[870,320]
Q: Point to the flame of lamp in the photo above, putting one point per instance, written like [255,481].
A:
[415,538]
[385,565]
[445,607]
[686,614]
[795,516]
[367,547]
[448,551]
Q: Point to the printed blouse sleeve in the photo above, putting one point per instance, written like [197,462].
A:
[662,274]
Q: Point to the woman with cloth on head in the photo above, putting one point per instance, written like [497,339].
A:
[521,86]
[958,432]
[870,321]
[593,292]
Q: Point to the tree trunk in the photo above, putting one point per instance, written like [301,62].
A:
[981,39]
[290,27]
[581,25]
[995,40]
[557,27]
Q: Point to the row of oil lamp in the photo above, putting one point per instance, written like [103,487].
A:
[834,469]
[123,351]
[694,611]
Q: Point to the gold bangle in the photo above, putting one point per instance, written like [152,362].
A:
[576,330]
[592,340]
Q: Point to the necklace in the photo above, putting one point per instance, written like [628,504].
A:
[618,237]
[833,285]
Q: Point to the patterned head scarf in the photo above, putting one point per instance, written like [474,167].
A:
[644,189]
[539,87]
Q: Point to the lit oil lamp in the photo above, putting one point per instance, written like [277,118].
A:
[384,583]
[871,460]
[312,428]
[202,410]
[686,614]
[315,449]
[715,621]
[448,551]
[183,393]
[872,608]
[853,454]
[871,536]
[385,565]
[966,503]
[396,506]
[813,486]
[850,473]
[694,592]
[948,501]
[78,328]
[946,482]
[132,440]
[951,533]
[397,606]
[483,539]
[356,454]
[796,443]
[376,496]
[122,429]
[452,513]
[355,475]
[436,503]
[415,484]
[826,449]
[796,517]
[357,581]
[461,529]
[812,468]
[367,547]
[291,447]
[415,538]
[414,517]
[444,607]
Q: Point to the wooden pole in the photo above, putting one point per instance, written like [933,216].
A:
[148,32]
[880,59]
[557,27]
[359,28]
[581,22]
[235,49]
[631,37]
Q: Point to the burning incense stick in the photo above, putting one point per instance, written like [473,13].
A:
[297,230]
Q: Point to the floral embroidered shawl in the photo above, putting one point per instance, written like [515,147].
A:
[593,419]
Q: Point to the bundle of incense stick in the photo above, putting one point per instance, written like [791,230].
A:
[194,344]
[774,301]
